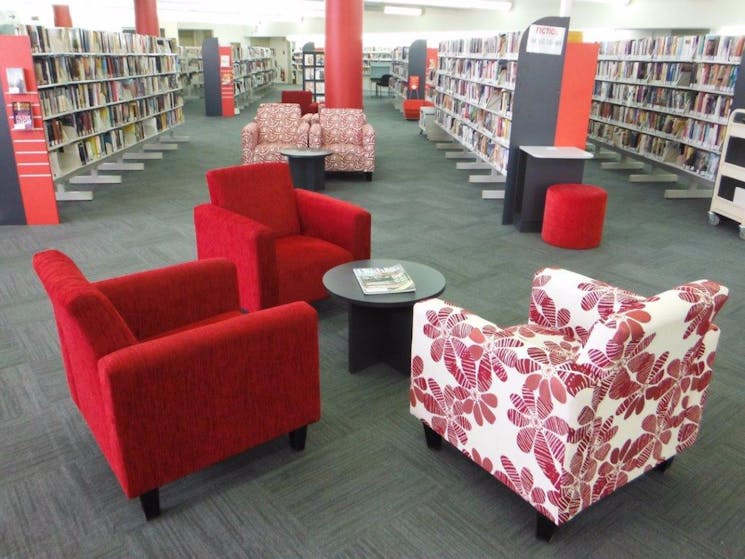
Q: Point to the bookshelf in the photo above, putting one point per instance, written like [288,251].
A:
[191,73]
[101,95]
[313,72]
[665,101]
[253,72]
[371,55]
[728,199]
[408,62]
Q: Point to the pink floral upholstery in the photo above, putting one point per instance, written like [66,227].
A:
[347,133]
[599,387]
[277,126]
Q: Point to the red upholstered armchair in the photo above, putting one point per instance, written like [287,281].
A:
[276,126]
[171,376]
[281,239]
[348,135]
[302,97]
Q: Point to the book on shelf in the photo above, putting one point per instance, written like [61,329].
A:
[384,280]
[23,118]
[16,80]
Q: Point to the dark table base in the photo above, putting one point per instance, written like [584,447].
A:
[380,335]
[308,172]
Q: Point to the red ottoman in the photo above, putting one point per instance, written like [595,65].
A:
[573,215]
[411,108]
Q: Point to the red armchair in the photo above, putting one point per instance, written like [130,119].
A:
[282,240]
[302,97]
[171,377]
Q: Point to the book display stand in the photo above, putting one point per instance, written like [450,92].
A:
[664,101]
[728,199]
[313,71]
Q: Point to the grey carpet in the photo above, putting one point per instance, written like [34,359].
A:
[366,485]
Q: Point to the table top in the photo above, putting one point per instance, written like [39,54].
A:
[341,282]
[556,152]
[300,152]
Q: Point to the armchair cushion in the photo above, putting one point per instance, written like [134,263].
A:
[342,126]
[271,200]
[276,126]
[567,413]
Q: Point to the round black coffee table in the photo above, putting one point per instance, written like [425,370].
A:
[380,325]
[307,167]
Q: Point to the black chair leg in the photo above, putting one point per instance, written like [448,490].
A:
[297,438]
[368,177]
[662,466]
[434,439]
[150,502]
[544,528]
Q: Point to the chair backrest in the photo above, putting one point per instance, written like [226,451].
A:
[278,122]
[669,327]
[88,324]
[260,191]
[342,126]
[302,97]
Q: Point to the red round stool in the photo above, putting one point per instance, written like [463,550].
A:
[573,215]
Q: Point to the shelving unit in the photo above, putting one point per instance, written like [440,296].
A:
[728,198]
[372,55]
[475,82]
[191,72]
[102,94]
[314,72]
[665,101]
[405,63]
[253,72]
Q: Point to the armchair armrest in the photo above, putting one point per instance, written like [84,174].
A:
[184,401]
[160,300]
[335,221]
[248,244]
[315,135]
[573,303]
[368,138]
[301,135]
[249,141]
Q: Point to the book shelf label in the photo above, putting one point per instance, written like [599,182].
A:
[545,39]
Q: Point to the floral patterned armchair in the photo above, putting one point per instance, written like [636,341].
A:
[348,135]
[600,386]
[277,126]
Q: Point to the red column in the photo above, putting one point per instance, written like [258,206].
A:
[343,49]
[146,17]
[62,16]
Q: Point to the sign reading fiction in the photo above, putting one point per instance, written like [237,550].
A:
[545,39]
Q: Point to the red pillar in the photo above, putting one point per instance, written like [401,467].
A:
[62,16]
[343,49]
[146,17]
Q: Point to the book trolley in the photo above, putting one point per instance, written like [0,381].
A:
[728,199]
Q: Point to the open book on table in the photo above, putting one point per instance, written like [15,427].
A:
[383,280]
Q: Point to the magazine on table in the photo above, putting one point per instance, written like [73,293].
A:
[383,280]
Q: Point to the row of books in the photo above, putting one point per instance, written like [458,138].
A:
[499,71]
[67,128]
[491,122]
[91,95]
[244,67]
[64,40]
[700,105]
[676,74]
[676,154]
[700,133]
[245,52]
[400,53]
[503,43]
[490,150]
[486,97]
[64,69]
[684,47]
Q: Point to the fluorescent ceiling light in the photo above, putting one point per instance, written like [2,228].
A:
[456,4]
[401,11]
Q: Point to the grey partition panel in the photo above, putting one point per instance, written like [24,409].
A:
[739,101]
[11,203]
[535,107]
[211,68]
[418,66]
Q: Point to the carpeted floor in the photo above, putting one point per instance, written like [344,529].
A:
[366,485]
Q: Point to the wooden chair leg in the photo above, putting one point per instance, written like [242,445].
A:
[544,528]
[434,439]
[662,466]
[297,438]
[150,502]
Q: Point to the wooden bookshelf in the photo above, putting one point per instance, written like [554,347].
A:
[666,101]
[102,94]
